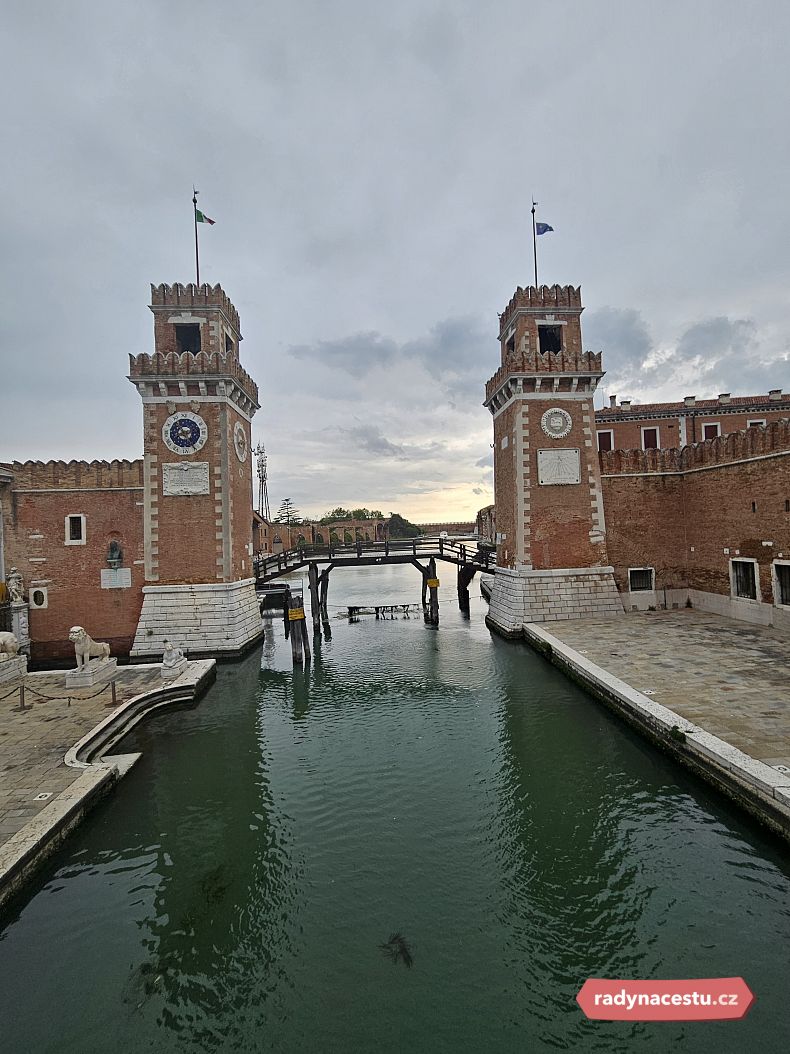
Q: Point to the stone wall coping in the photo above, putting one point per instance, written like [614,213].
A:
[200,587]
[557,572]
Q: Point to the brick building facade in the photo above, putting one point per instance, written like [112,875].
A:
[159,548]
[704,520]
[649,426]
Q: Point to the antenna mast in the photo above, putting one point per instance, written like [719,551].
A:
[263,487]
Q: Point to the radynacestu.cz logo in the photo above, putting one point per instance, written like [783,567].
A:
[700,999]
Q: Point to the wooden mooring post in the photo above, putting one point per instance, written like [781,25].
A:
[466,572]
[300,641]
[432,616]
[315,601]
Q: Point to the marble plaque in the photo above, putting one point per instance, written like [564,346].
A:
[185,477]
[557,467]
[116,578]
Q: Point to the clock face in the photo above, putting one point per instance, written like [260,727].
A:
[184,433]
[240,441]
[556,422]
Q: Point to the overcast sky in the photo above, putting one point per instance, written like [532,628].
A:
[369,167]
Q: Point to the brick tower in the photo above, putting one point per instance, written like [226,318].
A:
[547,484]
[198,405]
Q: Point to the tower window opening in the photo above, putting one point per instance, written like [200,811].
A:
[550,338]
[754,506]
[188,337]
[510,346]
[228,344]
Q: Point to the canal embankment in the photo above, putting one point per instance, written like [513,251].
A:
[708,690]
[54,754]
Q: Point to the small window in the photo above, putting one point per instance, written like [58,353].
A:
[649,438]
[744,582]
[75,533]
[550,339]
[188,337]
[510,346]
[228,343]
[755,421]
[640,578]
[782,595]
[711,430]
[606,439]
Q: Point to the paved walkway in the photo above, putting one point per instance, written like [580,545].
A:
[731,678]
[34,742]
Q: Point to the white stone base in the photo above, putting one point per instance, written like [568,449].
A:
[12,670]
[169,673]
[521,597]
[200,619]
[97,671]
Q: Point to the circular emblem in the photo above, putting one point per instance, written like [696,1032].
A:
[240,442]
[556,423]
[184,433]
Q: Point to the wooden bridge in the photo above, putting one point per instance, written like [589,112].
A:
[469,559]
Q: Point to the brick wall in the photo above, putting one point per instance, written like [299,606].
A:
[34,510]
[688,512]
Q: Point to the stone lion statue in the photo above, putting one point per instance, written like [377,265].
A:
[86,648]
[9,645]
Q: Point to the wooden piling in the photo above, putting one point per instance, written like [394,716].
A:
[433,589]
[296,620]
[315,602]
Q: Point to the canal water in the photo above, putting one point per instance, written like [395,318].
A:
[441,784]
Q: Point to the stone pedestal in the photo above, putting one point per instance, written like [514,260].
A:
[169,673]
[97,671]
[215,619]
[13,670]
[19,624]
[520,597]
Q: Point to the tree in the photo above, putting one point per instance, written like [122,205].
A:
[287,513]
[401,528]
[336,514]
[375,514]
[360,514]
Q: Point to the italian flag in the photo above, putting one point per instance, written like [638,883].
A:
[201,217]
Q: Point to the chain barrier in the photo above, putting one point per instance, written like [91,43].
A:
[23,688]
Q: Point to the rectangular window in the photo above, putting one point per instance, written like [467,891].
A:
[606,439]
[550,339]
[228,343]
[650,439]
[188,337]
[782,595]
[640,578]
[755,421]
[744,582]
[75,533]
[711,430]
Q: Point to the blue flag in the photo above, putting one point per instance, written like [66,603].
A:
[542,228]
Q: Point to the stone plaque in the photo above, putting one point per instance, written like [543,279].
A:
[558,466]
[185,477]
[116,578]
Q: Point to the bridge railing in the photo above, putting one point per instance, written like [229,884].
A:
[290,559]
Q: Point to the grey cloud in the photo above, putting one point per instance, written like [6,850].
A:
[358,353]
[484,461]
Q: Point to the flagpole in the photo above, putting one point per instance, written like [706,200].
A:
[197,257]
[534,242]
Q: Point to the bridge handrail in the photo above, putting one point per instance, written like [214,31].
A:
[290,559]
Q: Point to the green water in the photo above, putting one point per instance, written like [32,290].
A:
[233,893]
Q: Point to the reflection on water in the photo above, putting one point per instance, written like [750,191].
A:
[438,800]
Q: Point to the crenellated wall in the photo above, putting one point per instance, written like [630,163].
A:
[688,513]
[32,475]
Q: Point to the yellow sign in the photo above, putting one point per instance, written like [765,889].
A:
[295,614]
[433,583]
